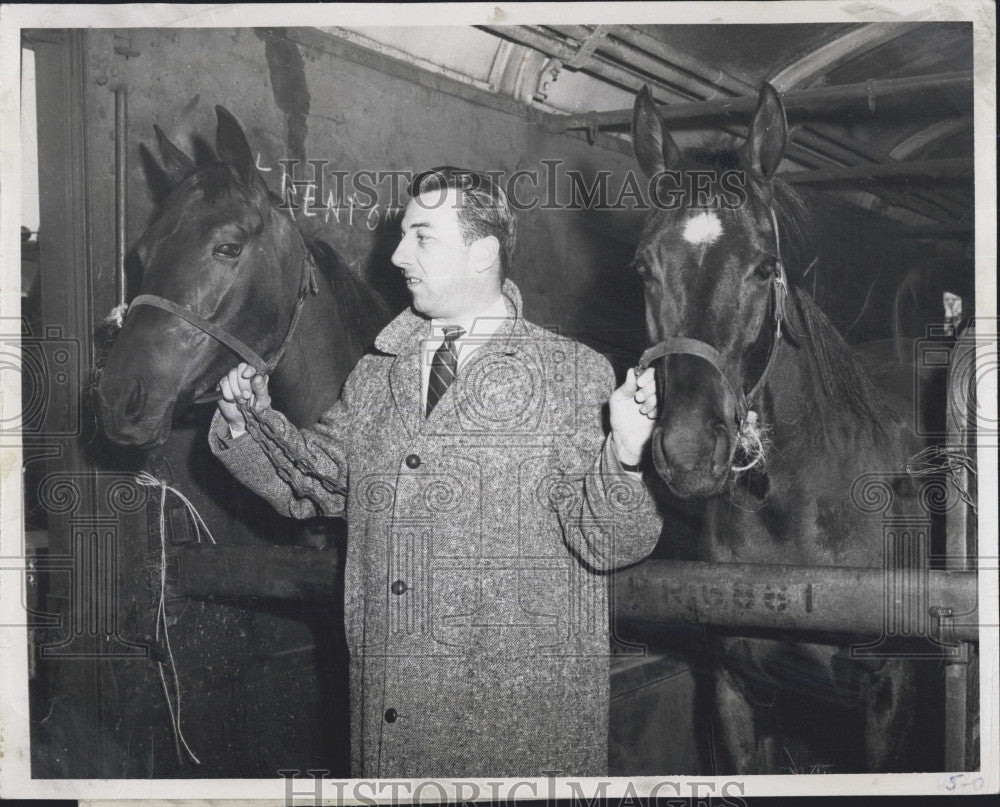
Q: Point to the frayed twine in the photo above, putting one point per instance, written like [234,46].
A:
[116,319]
[950,460]
[751,443]
[148,480]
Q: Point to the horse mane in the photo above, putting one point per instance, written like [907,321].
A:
[845,381]
[361,309]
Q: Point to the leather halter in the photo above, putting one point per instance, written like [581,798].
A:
[307,286]
[695,347]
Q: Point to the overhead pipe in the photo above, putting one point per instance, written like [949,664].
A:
[951,89]
[680,80]
[807,146]
[551,46]
[819,138]
[717,79]
[951,168]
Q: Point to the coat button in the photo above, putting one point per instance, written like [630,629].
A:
[391,715]
[413,462]
[399,587]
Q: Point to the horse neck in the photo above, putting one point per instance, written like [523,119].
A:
[802,418]
[319,356]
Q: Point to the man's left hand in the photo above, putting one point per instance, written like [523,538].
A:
[634,411]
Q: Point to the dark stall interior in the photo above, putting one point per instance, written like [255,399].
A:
[885,165]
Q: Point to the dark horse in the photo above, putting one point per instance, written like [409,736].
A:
[767,418]
[227,276]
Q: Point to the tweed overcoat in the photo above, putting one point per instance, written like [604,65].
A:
[480,544]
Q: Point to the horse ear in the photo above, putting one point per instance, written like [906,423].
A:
[233,149]
[768,134]
[176,163]
[653,146]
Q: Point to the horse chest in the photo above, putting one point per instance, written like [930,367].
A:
[793,523]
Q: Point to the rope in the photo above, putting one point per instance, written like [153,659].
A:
[937,459]
[116,317]
[749,442]
[148,480]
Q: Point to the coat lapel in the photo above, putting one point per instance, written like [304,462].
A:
[403,338]
[405,388]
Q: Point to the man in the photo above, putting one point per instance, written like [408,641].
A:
[484,508]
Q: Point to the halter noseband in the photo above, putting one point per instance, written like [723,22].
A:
[307,286]
[694,347]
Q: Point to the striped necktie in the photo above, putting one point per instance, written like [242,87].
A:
[444,367]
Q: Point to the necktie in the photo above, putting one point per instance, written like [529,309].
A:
[444,367]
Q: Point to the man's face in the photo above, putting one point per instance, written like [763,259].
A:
[434,257]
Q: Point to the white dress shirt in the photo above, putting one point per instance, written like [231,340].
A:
[479,329]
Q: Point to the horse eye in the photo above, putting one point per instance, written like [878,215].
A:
[227,250]
[767,268]
[640,266]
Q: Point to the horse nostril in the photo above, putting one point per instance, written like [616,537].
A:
[135,401]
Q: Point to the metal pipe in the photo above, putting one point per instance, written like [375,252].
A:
[950,168]
[682,81]
[950,90]
[713,76]
[275,572]
[806,598]
[961,706]
[802,598]
[804,150]
[551,46]
[818,137]
[121,190]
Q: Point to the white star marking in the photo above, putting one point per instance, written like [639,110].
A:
[703,228]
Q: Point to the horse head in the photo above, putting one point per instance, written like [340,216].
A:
[219,253]
[714,289]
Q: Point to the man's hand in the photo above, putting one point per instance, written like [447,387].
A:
[242,384]
[634,412]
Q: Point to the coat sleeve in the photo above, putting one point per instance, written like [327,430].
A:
[301,472]
[608,517]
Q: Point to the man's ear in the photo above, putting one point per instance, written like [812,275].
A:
[485,253]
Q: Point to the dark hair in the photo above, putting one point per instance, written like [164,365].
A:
[483,208]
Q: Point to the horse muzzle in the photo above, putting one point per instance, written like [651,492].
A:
[129,417]
[693,461]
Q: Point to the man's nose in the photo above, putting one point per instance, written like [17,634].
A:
[401,257]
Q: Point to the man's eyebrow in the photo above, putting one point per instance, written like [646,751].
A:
[416,225]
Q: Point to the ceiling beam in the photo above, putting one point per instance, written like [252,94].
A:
[839,51]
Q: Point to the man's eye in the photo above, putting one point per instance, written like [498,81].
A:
[228,250]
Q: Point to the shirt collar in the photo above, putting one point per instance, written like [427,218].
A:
[478,327]
[405,332]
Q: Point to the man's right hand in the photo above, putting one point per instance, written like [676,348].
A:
[242,384]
